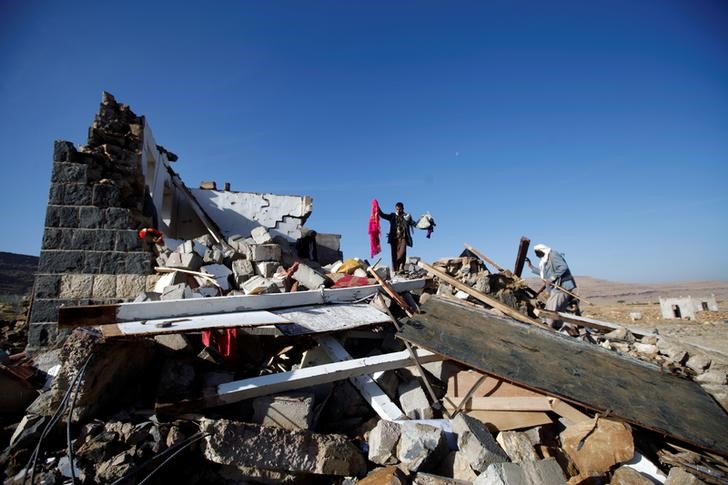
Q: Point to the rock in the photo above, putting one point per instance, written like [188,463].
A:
[716,377]
[608,444]
[645,349]
[620,333]
[673,352]
[625,475]
[476,443]
[517,446]
[265,252]
[176,292]
[242,271]
[280,450]
[190,261]
[678,476]
[175,342]
[220,273]
[414,401]
[267,269]
[543,472]
[390,475]
[292,412]
[698,362]
[719,393]
[421,446]
[430,479]
[244,475]
[175,380]
[383,441]
[501,474]
[457,466]
[260,235]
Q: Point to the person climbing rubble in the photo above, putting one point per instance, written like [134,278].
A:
[555,272]
[400,234]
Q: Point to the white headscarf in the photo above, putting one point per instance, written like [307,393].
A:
[545,250]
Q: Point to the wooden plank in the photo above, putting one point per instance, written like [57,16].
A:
[484,257]
[508,420]
[539,403]
[521,256]
[590,322]
[192,324]
[569,369]
[90,315]
[365,384]
[235,391]
[329,318]
[391,292]
[481,296]
[567,411]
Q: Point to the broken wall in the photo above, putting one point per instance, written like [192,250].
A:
[90,251]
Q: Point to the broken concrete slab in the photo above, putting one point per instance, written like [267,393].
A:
[309,277]
[261,235]
[257,285]
[476,442]
[265,252]
[176,292]
[383,439]
[267,269]
[606,442]
[501,474]
[414,401]
[242,270]
[279,449]
[421,446]
[293,412]
[175,342]
[517,446]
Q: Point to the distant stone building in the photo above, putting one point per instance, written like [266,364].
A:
[686,307]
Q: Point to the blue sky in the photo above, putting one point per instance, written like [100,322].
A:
[598,128]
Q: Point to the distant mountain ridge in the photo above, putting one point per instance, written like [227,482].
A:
[17,273]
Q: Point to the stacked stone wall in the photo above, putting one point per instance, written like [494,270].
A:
[91,253]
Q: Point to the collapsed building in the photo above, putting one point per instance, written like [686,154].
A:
[241,347]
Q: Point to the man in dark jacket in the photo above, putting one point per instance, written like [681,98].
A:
[400,234]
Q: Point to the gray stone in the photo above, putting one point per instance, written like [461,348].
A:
[698,362]
[257,285]
[91,217]
[674,352]
[206,240]
[47,285]
[213,255]
[308,277]
[63,151]
[130,285]
[177,292]
[76,194]
[76,286]
[279,449]
[138,262]
[719,393]
[455,465]
[648,350]
[265,252]
[260,235]
[476,442]
[55,261]
[118,218]
[712,376]
[242,270]
[517,446]
[127,240]
[383,440]
[502,474]
[420,446]
[191,261]
[678,476]
[267,269]
[414,401]
[56,194]
[293,412]
[57,238]
[68,172]
[106,195]
[543,472]
[63,216]
[113,262]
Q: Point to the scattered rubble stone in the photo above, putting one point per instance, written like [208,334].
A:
[383,441]
[413,400]
[678,476]
[604,443]
[503,473]
[476,442]
[421,446]
[293,412]
[517,446]
[625,475]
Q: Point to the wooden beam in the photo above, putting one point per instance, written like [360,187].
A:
[391,292]
[365,384]
[589,375]
[588,322]
[503,403]
[521,256]
[481,296]
[235,391]
[90,315]
[567,411]
[484,257]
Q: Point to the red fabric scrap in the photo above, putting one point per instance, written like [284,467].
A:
[350,281]
[374,229]
[225,340]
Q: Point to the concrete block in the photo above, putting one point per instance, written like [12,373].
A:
[187,247]
[281,450]
[476,442]
[267,269]
[91,217]
[191,261]
[261,236]
[517,446]
[420,446]
[106,195]
[47,285]
[308,277]
[138,262]
[242,270]
[257,285]
[383,439]
[76,194]
[76,286]
[177,292]
[118,218]
[63,216]
[129,286]
[127,240]
[104,286]
[63,151]
[609,443]
[57,238]
[220,272]
[265,252]
[213,255]
[501,474]
[67,172]
[543,472]
[206,240]
[413,400]
[293,412]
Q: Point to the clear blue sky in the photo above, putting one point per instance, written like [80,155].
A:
[598,128]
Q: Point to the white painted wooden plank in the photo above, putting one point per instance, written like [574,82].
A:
[369,389]
[148,310]
[191,324]
[327,318]
[235,391]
